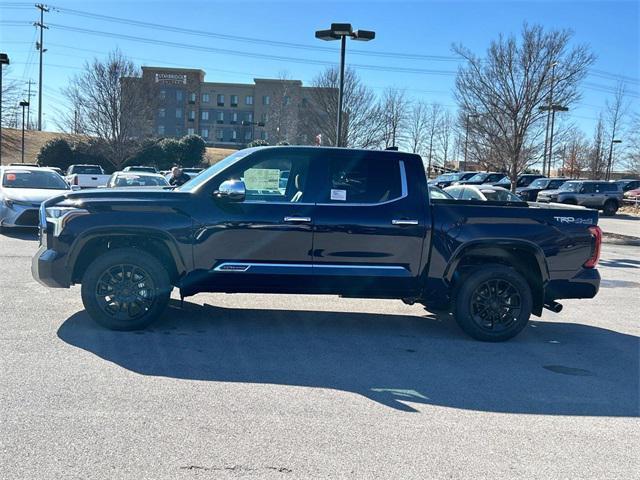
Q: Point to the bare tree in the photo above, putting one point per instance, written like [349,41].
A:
[507,86]
[284,99]
[362,125]
[418,127]
[632,157]
[434,120]
[575,154]
[110,101]
[597,163]
[614,113]
[445,138]
[395,115]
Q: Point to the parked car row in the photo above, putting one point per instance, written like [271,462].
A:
[606,196]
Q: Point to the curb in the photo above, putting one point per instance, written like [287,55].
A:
[618,239]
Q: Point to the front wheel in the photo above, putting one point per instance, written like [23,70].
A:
[125,289]
[493,304]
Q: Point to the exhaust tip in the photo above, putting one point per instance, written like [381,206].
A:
[555,307]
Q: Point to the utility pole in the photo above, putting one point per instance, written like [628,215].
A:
[4,60]
[24,104]
[39,45]
[29,83]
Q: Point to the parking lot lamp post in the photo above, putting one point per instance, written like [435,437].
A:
[340,31]
[24,104]
[466,137]
[610,161]
[4,60]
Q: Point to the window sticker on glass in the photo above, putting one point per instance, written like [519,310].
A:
[262,179]
[338,195]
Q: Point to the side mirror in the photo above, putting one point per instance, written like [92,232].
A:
[231,190]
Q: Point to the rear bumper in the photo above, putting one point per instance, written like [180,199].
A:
[585,284]
[48,269]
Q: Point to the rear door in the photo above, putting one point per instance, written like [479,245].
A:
[369,226]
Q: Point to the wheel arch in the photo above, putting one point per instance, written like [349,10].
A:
[154,242]
[525,257]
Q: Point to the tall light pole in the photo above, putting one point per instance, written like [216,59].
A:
[23,104]
[466,137]
[340,31]
[548,110]
[4,60]
[551,109]
[610,161]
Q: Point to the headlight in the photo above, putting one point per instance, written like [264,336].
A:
[60,216]
[10,203]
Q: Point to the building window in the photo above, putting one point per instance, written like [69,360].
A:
[234,117]
[264,135]
[247,135]
[205,115]
[179,95]
[220,117]
[234,100]
[162,112]
[304,102]
[220,134]
[204,133]
[266,100]
[205,98]
[265,117]
[160,129]
[192,115]
[234,135]
[248,100]
[163,94]
[249,116]
[220,100]
[178,113]
[192,98]
[191,131]
[287,99]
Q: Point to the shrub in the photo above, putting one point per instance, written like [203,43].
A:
[192,152]
[56,153]
[257,143]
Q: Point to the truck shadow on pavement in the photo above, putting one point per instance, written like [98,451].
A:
[397,360]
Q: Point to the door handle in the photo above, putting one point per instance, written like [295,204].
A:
[297,219]
[404,222]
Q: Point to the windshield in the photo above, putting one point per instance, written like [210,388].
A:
[449,177]
[479,177]
[570,187]
[539,183]
[437,194]
[44,179]
[87,170]
[500,196]
[213,170]
[140,181]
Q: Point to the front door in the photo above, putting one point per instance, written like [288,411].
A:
[261,244]
[369,228]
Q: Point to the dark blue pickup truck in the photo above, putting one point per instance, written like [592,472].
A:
[310,220]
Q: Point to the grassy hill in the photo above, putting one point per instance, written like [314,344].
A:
[34,140]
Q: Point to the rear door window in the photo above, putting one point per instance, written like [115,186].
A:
[588,188]
[364,180]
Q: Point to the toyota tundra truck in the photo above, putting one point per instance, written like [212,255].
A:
[353,223]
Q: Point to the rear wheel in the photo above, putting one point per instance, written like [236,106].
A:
[125,289]
[610,207]
[493,304]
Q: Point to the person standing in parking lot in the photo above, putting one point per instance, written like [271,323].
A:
[178,177]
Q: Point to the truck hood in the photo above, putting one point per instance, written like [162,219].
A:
[31,195]
[106,196]
[549,193]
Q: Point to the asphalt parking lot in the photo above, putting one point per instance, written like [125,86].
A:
[256,386]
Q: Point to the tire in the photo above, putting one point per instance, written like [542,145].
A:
[610,208]
[493,322]
[125,289]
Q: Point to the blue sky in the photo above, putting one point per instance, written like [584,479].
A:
[424,28]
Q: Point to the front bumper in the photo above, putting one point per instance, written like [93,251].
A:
[585,284]
[19,216]
[48,268]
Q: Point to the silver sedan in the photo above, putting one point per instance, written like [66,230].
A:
[22,190]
